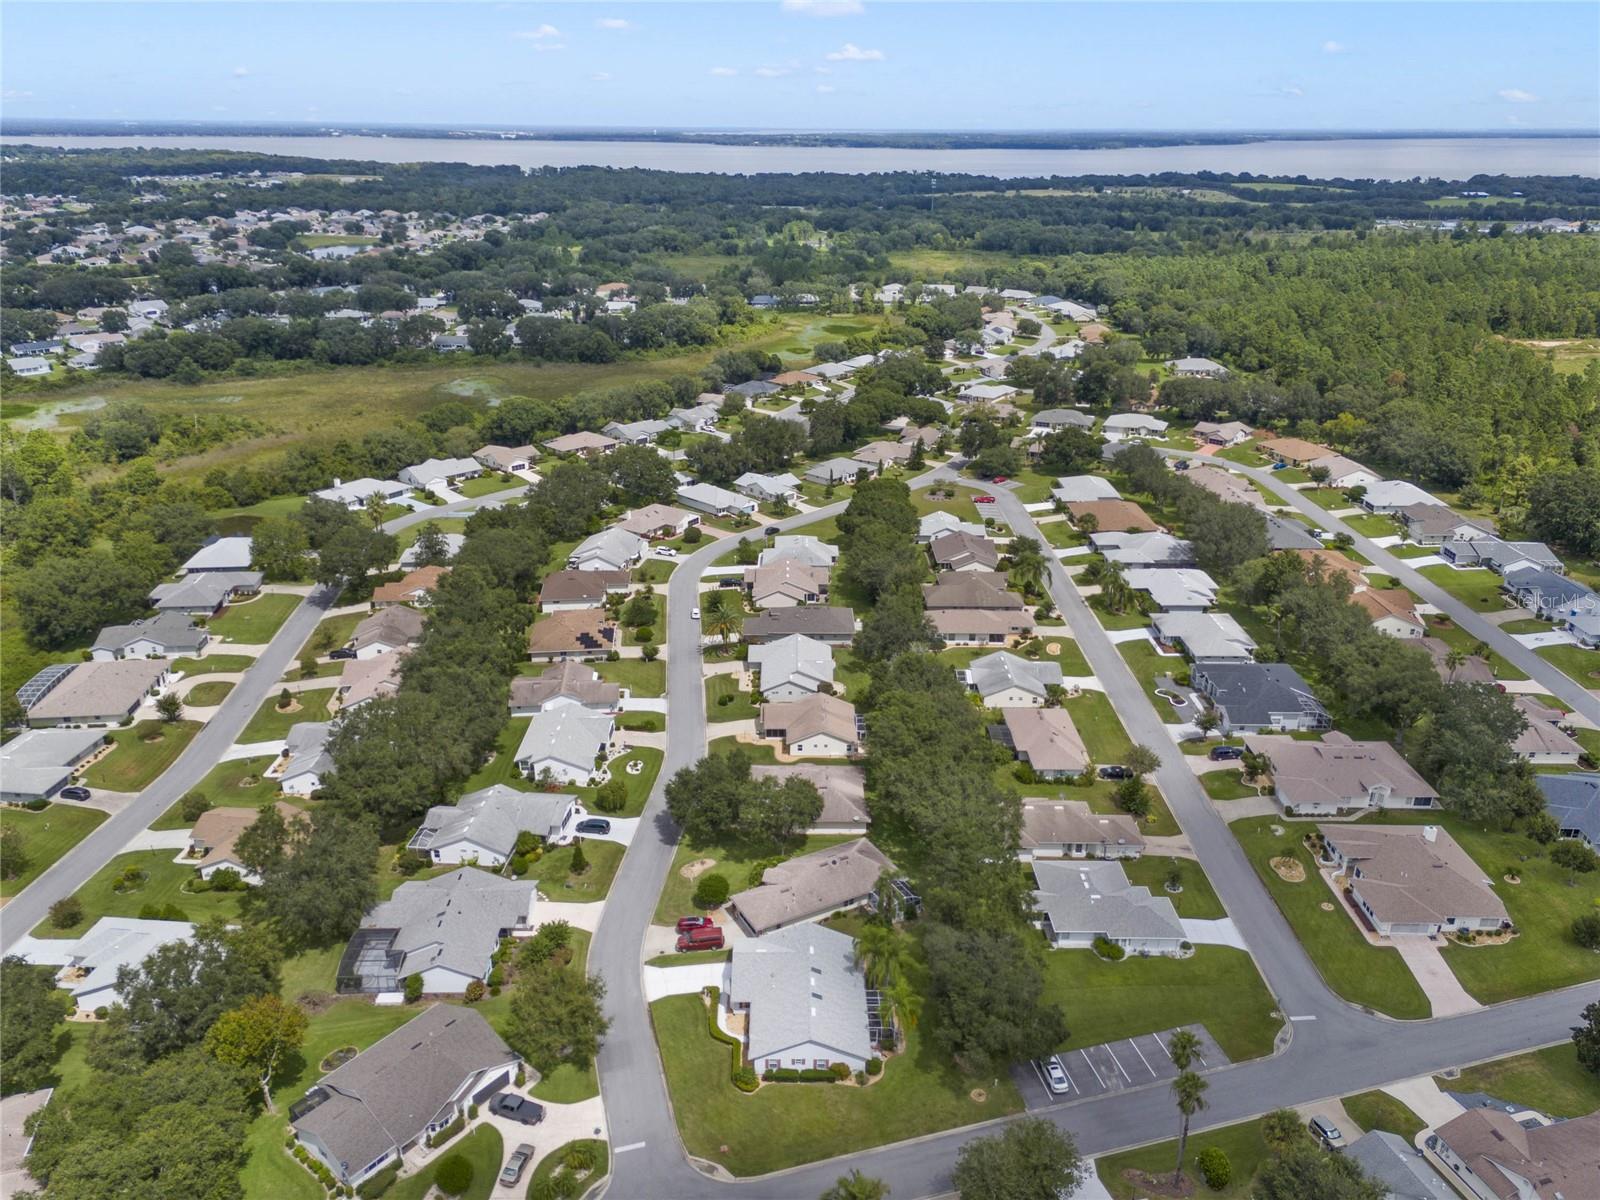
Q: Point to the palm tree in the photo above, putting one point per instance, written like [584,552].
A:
[1454,660]
[1189,1090]
[719,618]
[1183,1047]
[856,1186]
[879,952]
[1027,563]
[1282,1129]
[905,1001]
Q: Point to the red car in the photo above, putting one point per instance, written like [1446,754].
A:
[1001,478]
[700,939]
[685,924]
[983,499]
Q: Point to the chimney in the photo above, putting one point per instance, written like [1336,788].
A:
[1430,833]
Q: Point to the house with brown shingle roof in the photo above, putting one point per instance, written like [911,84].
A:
[1393,611]
[786,583]
[217,830]
[810,887]
[564,683]
[584,444]
[960,551]
[1496,1157]
[1067,829]
[417,587]
[578,635]
[582,589]
[1412,879]
[1045,739]
[843,790]
[818,726]
[1297,452]
[1338,775]
[1123,515]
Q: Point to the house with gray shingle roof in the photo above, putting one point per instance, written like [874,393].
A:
[1006,680]
[39,762]
[203,593]
[482,827]
[1251,696]
[1204,635]
[1398,1167]
[792,668]
[563,683]
[1067,829]
[565,741]
[804,997]
[393,628]
[1337,775]
[305,759]
[1574,801]
[1078,902]
[843,790]
[167,635]
[407,1085]
[811,886]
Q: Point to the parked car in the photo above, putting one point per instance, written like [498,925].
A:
[1321,535]
[74,793]
[1326,1132]
[771,531]
[1116,771]
[694,613]
[593,825]
[1280,466]
[704,938]
[1181,465]
[341,652]
[1002,479]
[983,499]
[1055,1076]
[1225,753]
[511,1173]
[685,924]
[667,551]
[516,1108]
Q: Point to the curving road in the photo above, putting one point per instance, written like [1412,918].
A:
[75,868]
[1557,683]
[1333,1048]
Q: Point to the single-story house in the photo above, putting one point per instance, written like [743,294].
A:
[786,583]
[204,593]
[1390,495]
[1143,549]
[1296,452]
[1331,564]
[584,444]
[1197,368]
[1344,472]
[221,554]
[1336,775]
[411,556]
[1216,636]
[1500,556]
[506,458]
[1072,310]
[1070,488]
[1584,625]
[1173,590]
[393,628]
[836,470]
[1412,879]
[1067,829]
[1393,612]
[988,393]
[91,693]
[699,418]
[964,552]
[167,635]
[415,587]
[613,549]
[1547,594]
[880,455]
[1397,1167]
[716,501]
[982,626]
[1473,669]
[804,997]
[89,964]
[562,591]
[938,523]
[217,830]
[971,589]
[436,471]
[1493,1156]
[564,683]
[402,1089]
[1048,420]
[355,494]
[365,679]
[569,741]
[1045,739]
[305,761]
[1283,534]
[481,828]
[816,726]
[38,763]
[1123,515]
[1574,801]
[1544,743]
[1252,696]
[792,668]
[843,790]
[444,929]
[1225,485]
[752,389]
[635,433]
[658,521]
[29,366]
[1122,427]
[810,887]
[1435,524]
[1078,902]
[826,622]
[1225,433]
[1005,680]
[768,489]
[801,547]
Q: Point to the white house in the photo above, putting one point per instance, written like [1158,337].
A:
[1123,427]
[167,635]
[792,667]
[444,929]
[213,840]
[804,999]
[571,742]
[441,472]
[1078,902]
[1005,680]
[305,759]
[768,489]
[1412,879]
[481,828]
[221,554]
[89,964]
[355,494]
[28,367]
[613,549]
[716,501]
[1391,495]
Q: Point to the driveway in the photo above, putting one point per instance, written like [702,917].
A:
[578,914]
[683,981]
[622,829]
[14,1110]
[1212,933]
[562,1123]
[157,839]
[1551,637]
[1444,990]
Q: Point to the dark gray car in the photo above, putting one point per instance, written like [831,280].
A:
[516,1108]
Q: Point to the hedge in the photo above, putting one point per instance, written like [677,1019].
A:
[1215,1167]
[377,1185]
[739,1069]
[448,1132]
[808,1075]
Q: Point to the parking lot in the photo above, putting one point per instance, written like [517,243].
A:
[1113,1067]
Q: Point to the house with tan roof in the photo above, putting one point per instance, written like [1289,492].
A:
[1393,612]
[658,521]
[1343,472]
[578,635]
[982,626]
[1337,775]
[843,790]
[1297,452]
[1067,829]
[1544,743]
[217,830]
[817,726]
[506,458]
[365,679]
[1045,739]
[571,589]
[1332,564]
[564,683]
[1226,433]
[971,589]
[1412,879]
[396,627]
[92,693]
[584,444]
[1122,515]
[417,588]
[786,583]
[1224,485]
[1435,524]
[811,887]
[1493,1156]
[879,455]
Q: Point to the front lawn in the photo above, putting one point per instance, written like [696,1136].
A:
[208,695]
[783,1125]
[732,860]
[487,484]
[502,768]
[46,836]
[554,874]
[726,702]
[1218,987]
[142,753]
[1247,1154]
[1582,665]
[1477,587]
[1227,785]
[1099,726]
[1066,655]
[639,677]
[236,783]
[271,724]
[483,1148]
[162,885]
[1332,499]
[1198,900]
[212,664]
[1549,1080]
[1379,1110]
[567,1084]
[657,625]
[1408,550]
[330,634]
[253,622]
[1373,525]
[1373,976]
[638,785]
[1115,622]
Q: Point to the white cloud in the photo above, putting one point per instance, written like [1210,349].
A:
[1517,96]
[850,52]
[825,88]
[770,72]
[823,8]
[539,34]
[601,76]
[16,94]
[240,72]
[543,46]
[1291,91]
[613,23]
[724,71]
[1334,47]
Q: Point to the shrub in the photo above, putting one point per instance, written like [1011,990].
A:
[612,796]
[758,869]
[285,699]
[226,879]
[1108,949]
[874,1066]
[841,1071]
[549,938]
[692,536]
[522,1077]
[644,633]
[380,1183]
[413,986]
[472,1112]
[1586,931]
[496,977]
[519,865]
[1215,1168]
[453,1175]
[475,991]
[66,912]
[568,1186]
[650,651]
[101,1013]
[38,804]
[580,863]
[739,1068]
[745,1079]
[710,890]
[448,1132]
[409,862]
[193,805]
[542,1189]
[612,656]
[579,1157]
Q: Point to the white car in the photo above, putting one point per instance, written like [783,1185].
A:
[666,552]
[694,613]
[1056,1076]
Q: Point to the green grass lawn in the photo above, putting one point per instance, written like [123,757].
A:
[46,836]
[1115,621]
[1227,785]
[1549,1080]
[486,484]
[567,1084]
[551,1163]
[1247,1154]
[732,860]
[639,677]
[330,634]
[782,1125]
[689,958]
[213,664]
[725,702]
[502,768]
[1099,726]
[310,971]
[1147,665]
[1067,656]
[1530,625]
[137,762]
[1218,987]
[1476,586]
[1407,550]
[1379,1110]
[483,1148]
[557,882]
[1246,455]
[1062,535]
[657,625]
[1374,976]
[1198,900]
[162,886]
[638,785]
[1373,525]
[408,536]
[1332,499]
[270,1173]
[1448,631]
[233,784]
[1031,487]
[270,724]
[253,622]
[960,505]
[205,695]
[1582,665]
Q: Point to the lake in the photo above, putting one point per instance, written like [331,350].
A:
[1348,158]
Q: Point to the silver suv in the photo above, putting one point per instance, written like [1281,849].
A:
[511,1173]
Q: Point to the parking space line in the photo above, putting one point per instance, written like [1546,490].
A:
[1107,1048]
[1142,1058]
[1090,1061]
[1163,1046]
[1064,1060]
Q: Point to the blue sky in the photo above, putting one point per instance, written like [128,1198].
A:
[830,64]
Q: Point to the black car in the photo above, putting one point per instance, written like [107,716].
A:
[771,531]
[342,652]
[1116,772]
[74,793]
[516,1108]
[1225,753]
[593,825]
